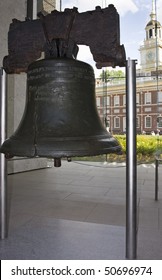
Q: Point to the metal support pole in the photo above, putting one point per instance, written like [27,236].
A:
[32,8]
[29,12]
[131,166]
[3,164]
[156,178]
[60,5]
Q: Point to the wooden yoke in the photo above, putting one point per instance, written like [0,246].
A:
[61,32]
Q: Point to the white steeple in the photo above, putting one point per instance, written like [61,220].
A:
[153,27]
[151,50]
[153,12]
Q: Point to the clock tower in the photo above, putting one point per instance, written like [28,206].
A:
[151,50]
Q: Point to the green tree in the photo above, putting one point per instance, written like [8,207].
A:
[107,75]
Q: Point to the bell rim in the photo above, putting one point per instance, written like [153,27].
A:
[56,149]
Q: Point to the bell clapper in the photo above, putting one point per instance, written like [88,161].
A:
[57,162]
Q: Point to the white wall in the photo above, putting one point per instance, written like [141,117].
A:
[16,84]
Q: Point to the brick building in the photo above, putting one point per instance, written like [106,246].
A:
[111,95]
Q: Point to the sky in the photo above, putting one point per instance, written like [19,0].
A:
[134,15]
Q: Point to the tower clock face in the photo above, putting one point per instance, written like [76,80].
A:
[150,56]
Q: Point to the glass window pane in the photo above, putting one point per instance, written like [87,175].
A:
[148,98]
[124,100]
[116,100]
[159,121]
[159,97]
[148,122]
[116,122]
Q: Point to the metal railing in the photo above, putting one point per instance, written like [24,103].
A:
[3,163]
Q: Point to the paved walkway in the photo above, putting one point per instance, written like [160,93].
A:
[78,212]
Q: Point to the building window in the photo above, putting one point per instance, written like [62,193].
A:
[124,124]
[116,100]
[107,100]
[124,100]
[148,109]
[137,98]
[159,97]
[98,101]
[137,122]
[116,122]
[148,98]
[148,122]
[159,122]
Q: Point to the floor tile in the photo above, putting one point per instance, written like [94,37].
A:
[63,212]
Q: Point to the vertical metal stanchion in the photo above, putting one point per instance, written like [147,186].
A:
[60,5]
[3,164]
[156,178]
[131,166]
[30,9]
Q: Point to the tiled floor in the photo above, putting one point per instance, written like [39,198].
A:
[78,212]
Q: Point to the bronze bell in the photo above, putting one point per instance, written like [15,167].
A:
[60,117]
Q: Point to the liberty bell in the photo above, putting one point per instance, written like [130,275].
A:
[60,118]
